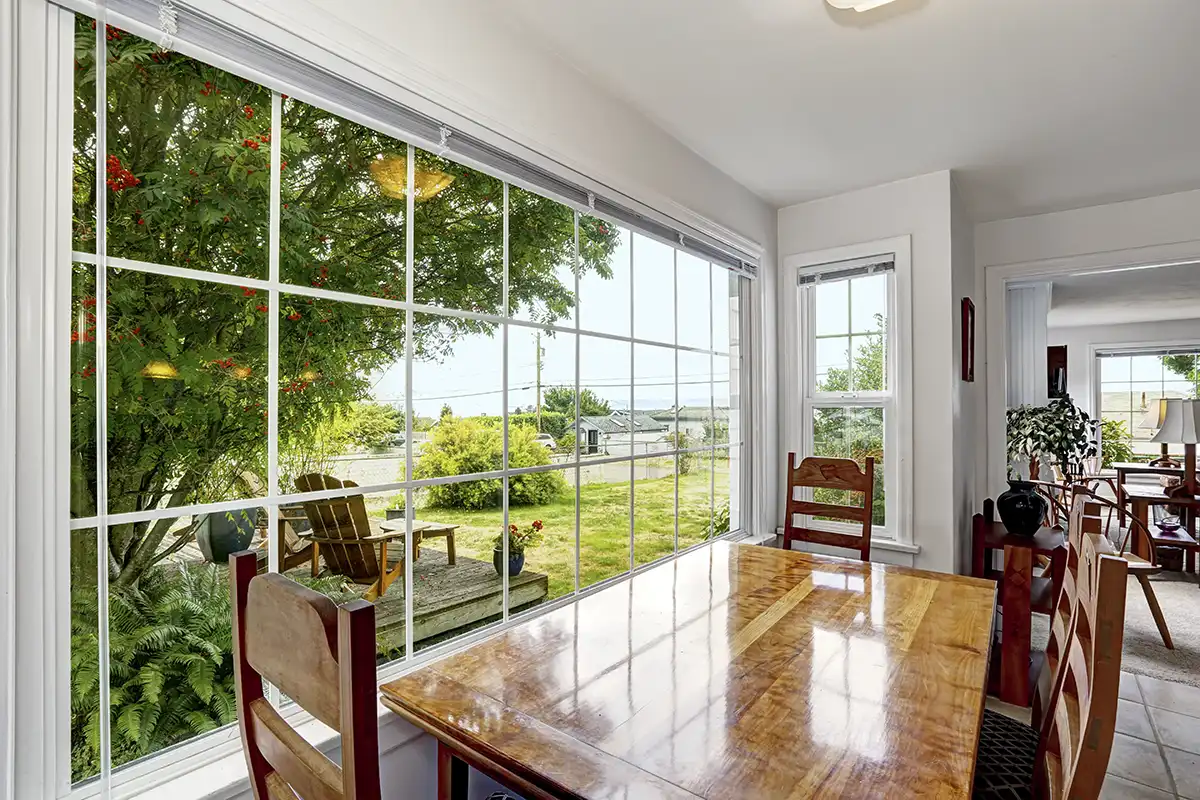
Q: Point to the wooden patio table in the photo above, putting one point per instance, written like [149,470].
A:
[735,671]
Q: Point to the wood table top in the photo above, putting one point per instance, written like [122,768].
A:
[1135,467]
[734,671]
[1155,494]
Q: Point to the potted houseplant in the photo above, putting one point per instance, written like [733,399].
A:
[518,540]
[1059,433]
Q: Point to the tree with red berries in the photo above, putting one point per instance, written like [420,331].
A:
[188,176]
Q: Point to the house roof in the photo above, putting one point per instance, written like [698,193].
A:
[692,413]
[618,422]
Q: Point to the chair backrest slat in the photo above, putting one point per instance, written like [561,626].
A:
[1076,747]
[323,658]
[840,474]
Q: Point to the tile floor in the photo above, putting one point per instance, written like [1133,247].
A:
[1156,753]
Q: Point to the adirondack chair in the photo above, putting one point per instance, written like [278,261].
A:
[352,544]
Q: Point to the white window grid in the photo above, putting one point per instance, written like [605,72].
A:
[102,520]
[814,398]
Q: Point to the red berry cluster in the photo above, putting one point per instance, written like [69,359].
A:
[209,89]
[248,111]
[248,292]
[261,308]
[254,141]
[224,363]
[322,278]
[111,34]
[120,178]
[294,316]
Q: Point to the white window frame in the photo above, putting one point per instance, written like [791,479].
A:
[798,373]
[35,281]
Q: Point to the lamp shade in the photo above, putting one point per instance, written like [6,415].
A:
[1181,422]
[1155,416]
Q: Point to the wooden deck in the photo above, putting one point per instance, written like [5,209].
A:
[451,597]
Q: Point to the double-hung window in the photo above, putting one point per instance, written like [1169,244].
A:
[849,379]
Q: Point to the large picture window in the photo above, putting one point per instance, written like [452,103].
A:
[288,327]
[1131,382]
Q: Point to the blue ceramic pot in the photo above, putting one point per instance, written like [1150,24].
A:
[222,534]
[516,562]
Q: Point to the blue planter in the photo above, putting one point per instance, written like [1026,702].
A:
[221,534]
[516,562]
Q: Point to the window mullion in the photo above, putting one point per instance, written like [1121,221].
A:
[101,427]
[409,225]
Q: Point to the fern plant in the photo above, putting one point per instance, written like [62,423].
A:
[170,662]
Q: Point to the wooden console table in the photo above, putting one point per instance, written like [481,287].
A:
[1022,593]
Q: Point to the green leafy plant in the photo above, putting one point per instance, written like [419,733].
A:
[170,661]
[1059,431]
[720,522]
[520,539]
[681,441]
[461,446]
[1115,442]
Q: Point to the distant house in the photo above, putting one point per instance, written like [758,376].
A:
[692,419]
[609,434]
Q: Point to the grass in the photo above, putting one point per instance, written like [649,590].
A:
[603,523]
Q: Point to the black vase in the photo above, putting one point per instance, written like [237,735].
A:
[1021,508]
[221,534]
[516,562]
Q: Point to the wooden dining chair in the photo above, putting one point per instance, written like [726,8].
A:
[1084,519]
[1069,756]
[1128,543]
[323,658]
[346,538]
[841,474]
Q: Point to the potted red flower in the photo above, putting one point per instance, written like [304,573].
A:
[518,540]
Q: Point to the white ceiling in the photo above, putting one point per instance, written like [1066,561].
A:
[1040,105]
[1123,296]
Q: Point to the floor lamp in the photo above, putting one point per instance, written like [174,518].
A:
[1181,425]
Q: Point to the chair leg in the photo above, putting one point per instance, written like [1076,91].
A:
[1156,610]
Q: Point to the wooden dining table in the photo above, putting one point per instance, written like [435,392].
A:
[734,671]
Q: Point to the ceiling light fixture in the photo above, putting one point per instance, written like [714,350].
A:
[857,5]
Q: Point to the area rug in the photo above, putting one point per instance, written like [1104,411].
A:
[1144,653]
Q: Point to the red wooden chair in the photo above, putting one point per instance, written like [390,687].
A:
[322,657]
[829,473]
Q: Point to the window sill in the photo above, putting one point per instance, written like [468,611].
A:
[876,544]
[226,778]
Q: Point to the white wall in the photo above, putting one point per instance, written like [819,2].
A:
[921,208]
[1081,342]
[1146,231]
[966,398]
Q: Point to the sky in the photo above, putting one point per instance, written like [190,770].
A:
[470,380]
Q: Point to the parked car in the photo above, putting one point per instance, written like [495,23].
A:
[545,440]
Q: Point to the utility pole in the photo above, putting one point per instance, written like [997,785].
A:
[539,381]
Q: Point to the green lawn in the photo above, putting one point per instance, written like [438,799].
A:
[604,526]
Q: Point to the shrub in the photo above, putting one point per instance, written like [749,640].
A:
[720,522]
[553,422]
[1115,442]
[461,446]
[681,441]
